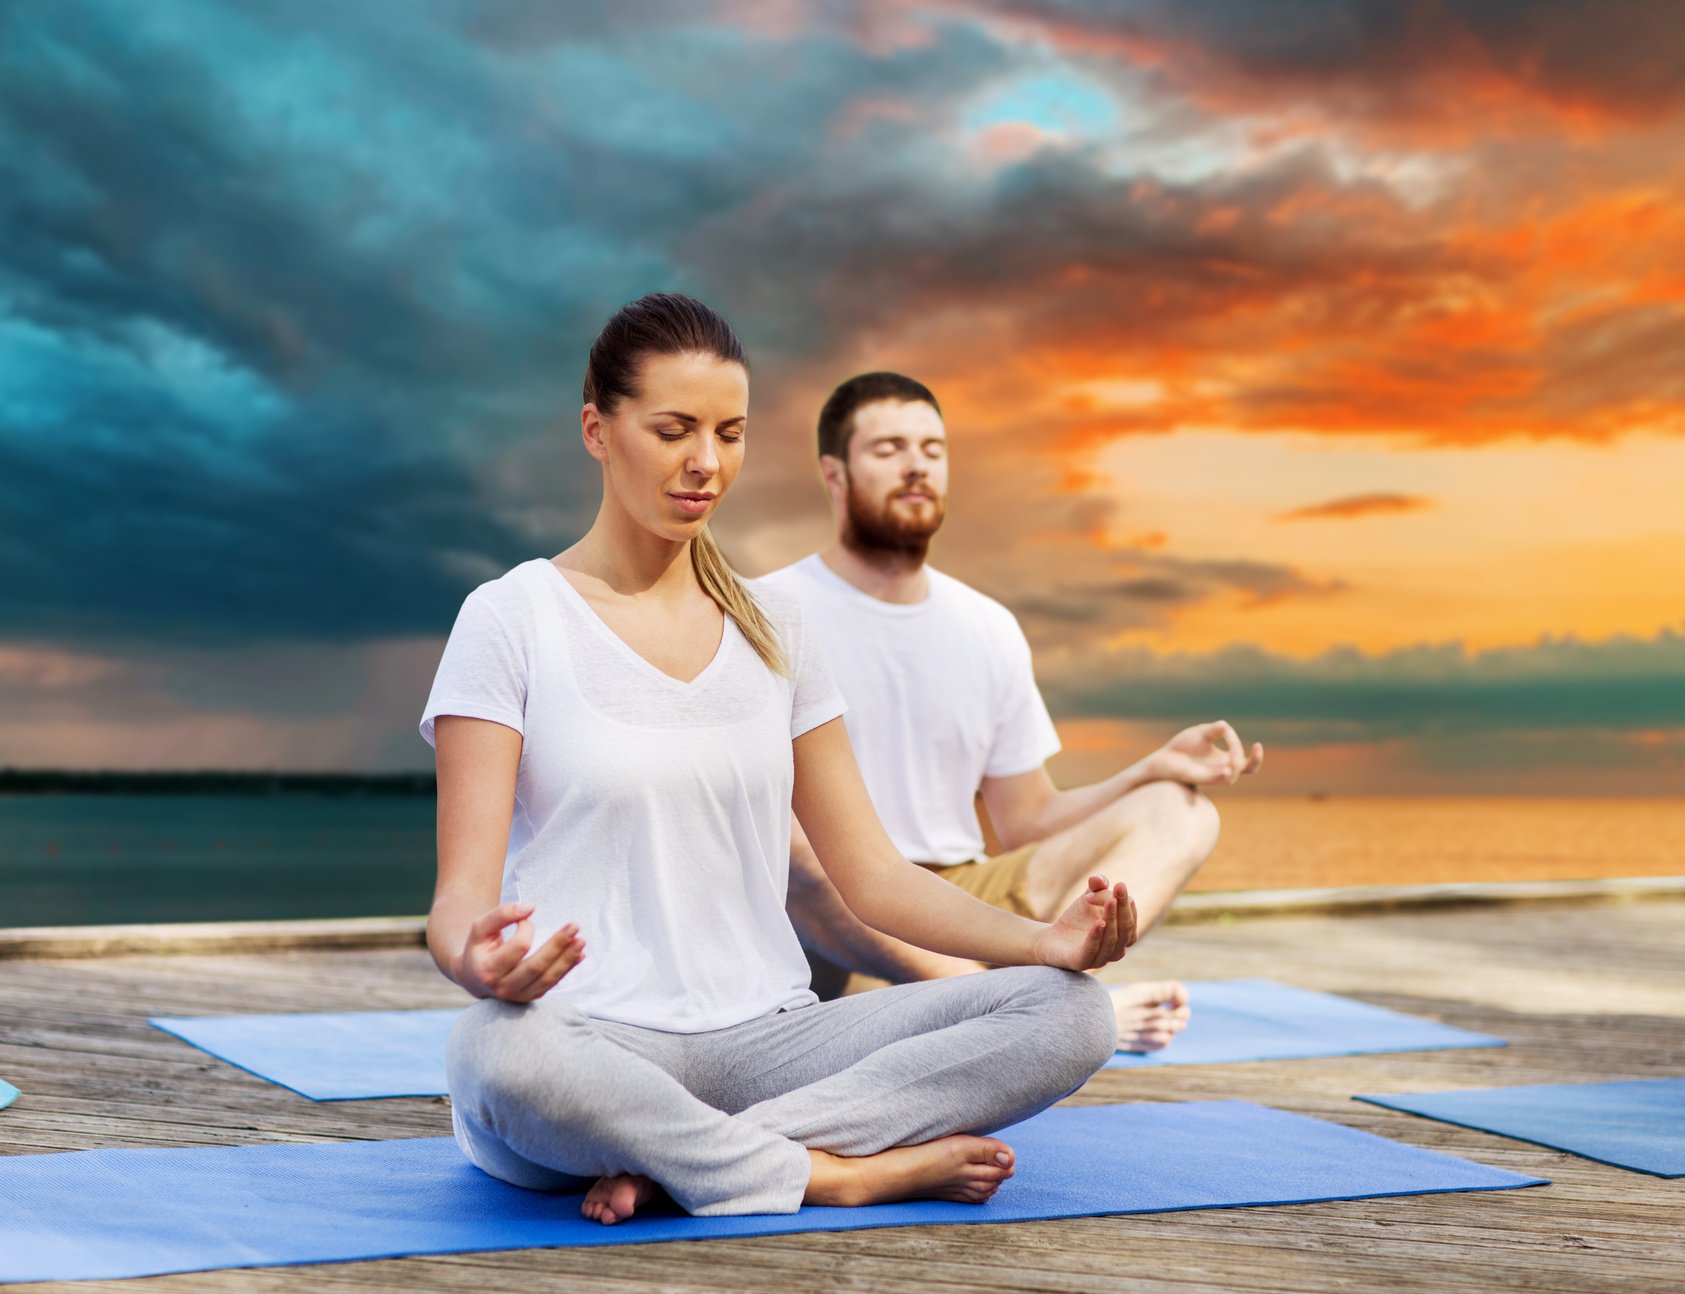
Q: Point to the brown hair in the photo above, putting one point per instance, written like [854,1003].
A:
[668,323]
[836,418]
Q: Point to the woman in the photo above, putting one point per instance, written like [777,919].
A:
[620,731]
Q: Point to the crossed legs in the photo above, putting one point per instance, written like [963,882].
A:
[877,1097]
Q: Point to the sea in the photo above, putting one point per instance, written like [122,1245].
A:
[76,859]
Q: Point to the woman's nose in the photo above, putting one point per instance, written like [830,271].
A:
[705,461]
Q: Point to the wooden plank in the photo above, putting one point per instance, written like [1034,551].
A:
[247,936]
[363,933]
[1583,993]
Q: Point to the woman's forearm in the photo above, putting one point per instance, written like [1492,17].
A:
[827,925]
[911,904]
[448,923]
[882,888]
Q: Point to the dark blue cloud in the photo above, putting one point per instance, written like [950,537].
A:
[291,301]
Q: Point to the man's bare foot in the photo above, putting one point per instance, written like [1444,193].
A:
[961,1168]
[614,1199]
[1149,1014]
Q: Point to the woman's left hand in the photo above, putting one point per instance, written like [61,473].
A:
[1095,930]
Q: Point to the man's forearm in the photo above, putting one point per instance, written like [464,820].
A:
[825,924]
[1067,808]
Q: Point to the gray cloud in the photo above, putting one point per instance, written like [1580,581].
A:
[1156,586]
[1399,61]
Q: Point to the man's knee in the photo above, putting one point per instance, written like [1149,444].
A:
[1182,811]
[1204,827]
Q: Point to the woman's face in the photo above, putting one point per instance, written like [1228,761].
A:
[671,453]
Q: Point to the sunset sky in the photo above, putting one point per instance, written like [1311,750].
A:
[1315,365]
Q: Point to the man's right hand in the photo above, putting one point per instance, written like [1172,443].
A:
[492,966]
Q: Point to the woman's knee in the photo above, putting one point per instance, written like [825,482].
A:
[1094,1023]
[1077,1009]
[504,1053]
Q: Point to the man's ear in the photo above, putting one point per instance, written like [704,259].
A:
[593,431]
[834,473]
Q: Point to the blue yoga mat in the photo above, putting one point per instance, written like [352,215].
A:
[8,1094]
[340,1056]
[1637,1124]
[115,1213]
[330,1056]
[1258,1019]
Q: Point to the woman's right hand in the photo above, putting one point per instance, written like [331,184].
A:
[492,966]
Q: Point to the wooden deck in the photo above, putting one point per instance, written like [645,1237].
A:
[1584,992]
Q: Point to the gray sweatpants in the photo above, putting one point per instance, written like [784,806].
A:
[550,1099]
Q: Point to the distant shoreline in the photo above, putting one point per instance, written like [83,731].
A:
[52,781]
[424,785]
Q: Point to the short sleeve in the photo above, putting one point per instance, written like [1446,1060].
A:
[815,697]
[482,673]
[1024,737]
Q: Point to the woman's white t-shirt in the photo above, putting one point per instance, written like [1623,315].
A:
[654,813]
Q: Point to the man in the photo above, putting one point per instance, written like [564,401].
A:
[943,705]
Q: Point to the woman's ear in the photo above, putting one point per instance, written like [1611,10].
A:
[593,430]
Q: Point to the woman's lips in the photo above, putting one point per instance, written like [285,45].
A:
[695,504]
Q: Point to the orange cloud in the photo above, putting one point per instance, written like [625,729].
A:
[1358,505]
[1315,312]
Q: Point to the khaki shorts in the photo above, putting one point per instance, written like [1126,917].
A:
[1002,881]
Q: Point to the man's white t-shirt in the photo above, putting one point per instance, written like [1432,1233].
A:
[941,694]
[655,813]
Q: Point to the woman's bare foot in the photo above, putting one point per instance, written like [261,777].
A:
[1149,1014]
[614,1199]
[961,1168]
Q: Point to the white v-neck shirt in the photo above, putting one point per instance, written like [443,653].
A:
[654,812]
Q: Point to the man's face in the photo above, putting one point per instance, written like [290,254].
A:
[897,478]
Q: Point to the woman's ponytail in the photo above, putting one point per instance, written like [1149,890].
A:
[721,583]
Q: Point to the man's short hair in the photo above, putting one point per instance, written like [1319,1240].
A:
[836,419]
